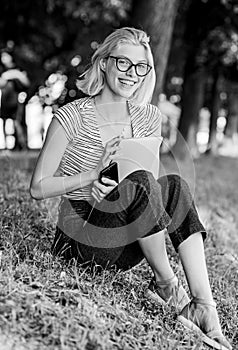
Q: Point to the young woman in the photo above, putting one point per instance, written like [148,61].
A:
[120,224]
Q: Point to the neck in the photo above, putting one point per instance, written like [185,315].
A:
[111,110]
[106,97]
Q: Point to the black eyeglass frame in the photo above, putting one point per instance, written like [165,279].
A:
[131,65]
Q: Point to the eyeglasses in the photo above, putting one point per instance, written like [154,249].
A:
[124,64]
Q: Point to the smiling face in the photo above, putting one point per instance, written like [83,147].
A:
[122,85]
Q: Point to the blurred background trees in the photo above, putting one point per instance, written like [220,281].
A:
[195,45]
[156,18]
[207,46]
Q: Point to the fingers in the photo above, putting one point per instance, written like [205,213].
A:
[113,145]
[109,182]
[99,191]
[100,187]
[109,150]
[95,195]
[115,140]
[114,157]
[110,154]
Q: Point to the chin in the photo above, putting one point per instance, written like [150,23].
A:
[126,94]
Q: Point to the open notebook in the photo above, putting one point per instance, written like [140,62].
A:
[139,153]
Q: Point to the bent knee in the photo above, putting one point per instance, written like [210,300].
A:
[173,180]
[177,181]
[143,178]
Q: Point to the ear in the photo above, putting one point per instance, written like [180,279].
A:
[103,64]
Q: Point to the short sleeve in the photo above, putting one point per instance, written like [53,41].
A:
[154,121]
[67,116]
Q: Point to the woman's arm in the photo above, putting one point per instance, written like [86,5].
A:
[45,183]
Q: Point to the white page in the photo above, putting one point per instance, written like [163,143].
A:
[139,153]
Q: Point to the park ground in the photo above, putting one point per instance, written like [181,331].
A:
[46,304]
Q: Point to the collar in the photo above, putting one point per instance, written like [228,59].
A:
[136,112]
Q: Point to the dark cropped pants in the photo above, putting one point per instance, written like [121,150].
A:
[138,207]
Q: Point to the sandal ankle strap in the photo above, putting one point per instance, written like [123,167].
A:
[166,282]
[203,301]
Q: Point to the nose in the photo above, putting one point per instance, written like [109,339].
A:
[131,71]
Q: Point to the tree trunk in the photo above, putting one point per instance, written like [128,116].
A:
[192,100]
[232,120]
[215,104]
[20,128]
[156,17]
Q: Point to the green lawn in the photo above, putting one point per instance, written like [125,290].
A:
[45,304]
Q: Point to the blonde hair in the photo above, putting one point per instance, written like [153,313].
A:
[93,78]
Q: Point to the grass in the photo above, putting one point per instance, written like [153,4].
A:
[47,304]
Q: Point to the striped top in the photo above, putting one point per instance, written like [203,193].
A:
[85,146]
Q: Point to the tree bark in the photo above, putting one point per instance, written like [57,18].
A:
[157,18]
[215,104]
[231,130]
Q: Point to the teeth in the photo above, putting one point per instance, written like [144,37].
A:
[127,82]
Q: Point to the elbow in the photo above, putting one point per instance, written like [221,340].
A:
[35,193]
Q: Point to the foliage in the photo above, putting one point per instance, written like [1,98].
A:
[205,36]
[45,35]
[47,304]
[210,33]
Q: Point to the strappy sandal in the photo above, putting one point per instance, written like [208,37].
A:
[195,316]
[168,292]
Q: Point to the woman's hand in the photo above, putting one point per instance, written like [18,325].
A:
[99,191]
[109,153]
